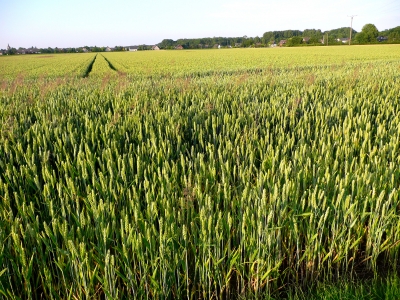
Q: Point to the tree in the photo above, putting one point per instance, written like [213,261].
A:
[370,33]
[394,36]
[12,51]
[314,40]
[296,40]
[247,42]
[361,38]
[339,33]
[167,44]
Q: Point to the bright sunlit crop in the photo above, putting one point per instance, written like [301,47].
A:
[197,174]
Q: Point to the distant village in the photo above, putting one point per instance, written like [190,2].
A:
[286,38]
[284,42]
[34,50]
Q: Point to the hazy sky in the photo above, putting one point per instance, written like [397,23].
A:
[72,23]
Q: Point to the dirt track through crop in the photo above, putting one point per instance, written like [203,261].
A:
[90,67]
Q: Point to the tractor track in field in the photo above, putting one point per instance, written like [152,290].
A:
[89,68]
[110,64]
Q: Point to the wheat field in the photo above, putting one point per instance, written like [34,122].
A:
[197,174]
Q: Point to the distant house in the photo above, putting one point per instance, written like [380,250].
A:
[133,48]
[217,46]
[155,47]
[238,44]
[382,38]
[32,50]
[306,39]
[179,47]
[343,40]
[1,53]
[108,49]
[21,51]
[282,42]
[85,50]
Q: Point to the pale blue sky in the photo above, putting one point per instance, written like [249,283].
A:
[45,23]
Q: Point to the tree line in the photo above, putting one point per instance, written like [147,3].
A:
[368,35]
[34,50]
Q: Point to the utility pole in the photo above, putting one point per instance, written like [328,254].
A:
[351,26]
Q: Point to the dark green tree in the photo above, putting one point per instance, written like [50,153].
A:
[12,51]
[167,44]
[314,40]
[293,41]
[370,33]
[361,38]
[339,33]
[394,36]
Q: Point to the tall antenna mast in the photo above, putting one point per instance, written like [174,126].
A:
[351,26]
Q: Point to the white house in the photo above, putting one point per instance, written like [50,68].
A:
[343,40]
[133,48]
